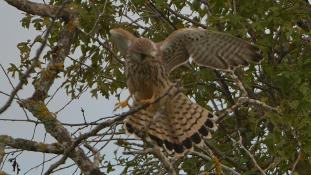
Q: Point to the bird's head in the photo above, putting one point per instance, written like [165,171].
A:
[138,49]
[142,49]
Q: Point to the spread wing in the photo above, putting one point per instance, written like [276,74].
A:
[122,39]
[207,48]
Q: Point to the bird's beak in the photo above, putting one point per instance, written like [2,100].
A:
[153,54]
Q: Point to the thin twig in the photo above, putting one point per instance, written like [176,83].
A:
[299,154]
[105,45]
[18,98]
[186,18]
[210,159]
[71,100]
[244,98]
[96,154]
[238,83]
[98,18]
[166,163]
[160,14]
[52,158]
[250,155]
[262,104]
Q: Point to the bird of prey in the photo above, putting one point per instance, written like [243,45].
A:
[174,121]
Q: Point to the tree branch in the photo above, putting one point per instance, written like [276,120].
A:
[210,159]
[28,145]
[2,153]
[186,18]
[43,9]
[299,152]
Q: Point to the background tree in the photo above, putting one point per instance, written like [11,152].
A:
[265,110]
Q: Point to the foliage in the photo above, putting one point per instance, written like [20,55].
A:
[283,80]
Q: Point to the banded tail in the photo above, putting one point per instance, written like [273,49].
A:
[177,128]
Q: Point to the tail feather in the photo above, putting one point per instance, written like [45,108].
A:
[182,124]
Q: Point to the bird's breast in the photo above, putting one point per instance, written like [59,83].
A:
[147,77]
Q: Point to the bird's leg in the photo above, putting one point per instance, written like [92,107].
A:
[123,104]
[147,100]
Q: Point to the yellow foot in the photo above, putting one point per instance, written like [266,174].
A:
[147,101]
[122,104]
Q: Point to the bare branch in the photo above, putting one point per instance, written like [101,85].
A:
[96,154]
[166,163]
[24,144]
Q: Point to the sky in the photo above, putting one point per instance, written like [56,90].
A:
[11,33]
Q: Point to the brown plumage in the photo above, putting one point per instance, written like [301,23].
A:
[175,122]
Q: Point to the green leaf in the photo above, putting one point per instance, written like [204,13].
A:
[110,168]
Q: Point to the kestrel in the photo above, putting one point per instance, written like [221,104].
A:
[174,121]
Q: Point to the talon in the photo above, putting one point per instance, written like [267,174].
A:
[147,101]
[123,104]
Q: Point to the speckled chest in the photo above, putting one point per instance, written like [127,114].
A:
[146,74]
